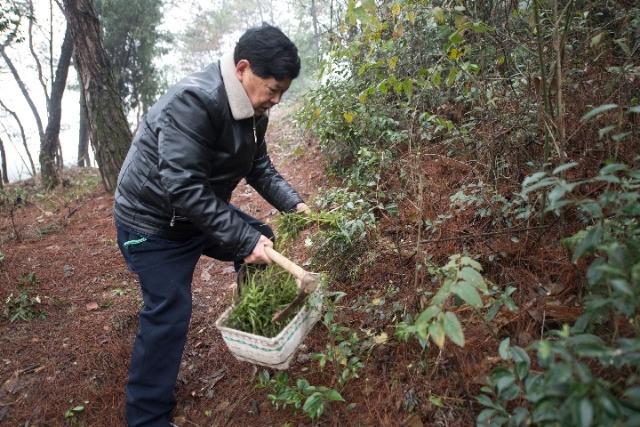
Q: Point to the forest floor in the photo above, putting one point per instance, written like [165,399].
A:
[70,366]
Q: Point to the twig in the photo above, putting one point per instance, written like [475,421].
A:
[13,224]
[73,211]
[493,233]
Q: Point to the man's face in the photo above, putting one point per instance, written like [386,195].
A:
[263,93]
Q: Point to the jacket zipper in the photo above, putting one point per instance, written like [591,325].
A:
[255,135]
[173,219]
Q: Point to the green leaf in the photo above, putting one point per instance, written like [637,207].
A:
[455,38]
[520,417]
[532,179]
[546,182]
[436,78]
[468,293]
[633,394]
[334,396]
[470,275]
[586,413]
[465,260]
[625,47]
[613,168]
[505,349]
[544,350]
[453,328]
[559,191]
[438,14]
[622,285]
[620,136]
[595,40]
[505,382]
[313,406]
[597,111]
[590,241]
[611,179]
[485,400]
[407,87]
[453,74]
[564,167]
[485,416]
[428,314]
[591,208]
[522,361]
[605,130]
[437,333]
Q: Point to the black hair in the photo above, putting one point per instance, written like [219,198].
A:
[270,53]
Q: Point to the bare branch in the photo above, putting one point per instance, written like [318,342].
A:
[24,91]
[24,137]
[6,131]
[35,56]
[51,42]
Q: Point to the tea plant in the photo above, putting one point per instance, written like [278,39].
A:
[611,238]
[343,348]
[461,277]
[24,306]
[570,389]
[264,292]
[71,415]
[313,400]
[585,378]
[290,225]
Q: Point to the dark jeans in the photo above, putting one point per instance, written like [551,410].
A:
[165,270]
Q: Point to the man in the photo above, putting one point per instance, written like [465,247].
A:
[172,200]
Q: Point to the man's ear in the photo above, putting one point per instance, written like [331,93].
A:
[241,68]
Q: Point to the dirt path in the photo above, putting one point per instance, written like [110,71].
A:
[77,356]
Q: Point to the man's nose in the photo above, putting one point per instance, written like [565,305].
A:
[275,99]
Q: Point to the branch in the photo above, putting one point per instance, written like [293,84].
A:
[35,56]
[538,27]
[24,137]
[493,233]
[24,91]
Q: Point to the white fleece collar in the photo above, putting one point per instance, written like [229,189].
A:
[239,102]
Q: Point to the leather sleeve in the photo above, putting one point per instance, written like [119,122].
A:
[265,178]
[185,149]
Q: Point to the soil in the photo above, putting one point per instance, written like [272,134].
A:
[78,354]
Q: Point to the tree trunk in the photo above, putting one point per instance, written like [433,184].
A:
[3,160]
[50,142]
[83,134]
[110,133]
[316,31]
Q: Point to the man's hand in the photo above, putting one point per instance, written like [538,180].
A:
[258,256]
[302,208]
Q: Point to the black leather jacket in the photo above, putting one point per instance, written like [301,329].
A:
[187,157]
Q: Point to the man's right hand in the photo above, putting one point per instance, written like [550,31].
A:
[258,255]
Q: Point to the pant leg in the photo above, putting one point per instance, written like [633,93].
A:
[211,249]
[165,270]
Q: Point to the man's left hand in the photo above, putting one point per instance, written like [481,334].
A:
[302,208]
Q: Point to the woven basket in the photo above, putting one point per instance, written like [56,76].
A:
[276,352]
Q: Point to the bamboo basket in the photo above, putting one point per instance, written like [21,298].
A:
[276,352]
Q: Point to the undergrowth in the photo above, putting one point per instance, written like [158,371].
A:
[536,105]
